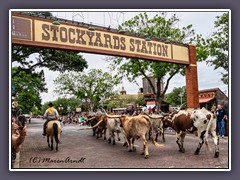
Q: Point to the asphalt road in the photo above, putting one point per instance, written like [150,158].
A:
[79,149]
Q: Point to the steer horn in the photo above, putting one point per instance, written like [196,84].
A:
[91,118]
[181,106]
[152,117]
[111,116]
[93,126]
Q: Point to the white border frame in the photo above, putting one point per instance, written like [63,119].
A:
[119,10]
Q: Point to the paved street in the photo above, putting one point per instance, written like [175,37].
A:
[79,149]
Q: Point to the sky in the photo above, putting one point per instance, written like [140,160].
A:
[203,23]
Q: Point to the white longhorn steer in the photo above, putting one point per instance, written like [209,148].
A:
[205,121]
[199,122]
[157,124]
[113,125]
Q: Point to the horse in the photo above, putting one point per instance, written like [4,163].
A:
[53,129]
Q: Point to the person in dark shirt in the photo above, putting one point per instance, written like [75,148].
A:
[221,120]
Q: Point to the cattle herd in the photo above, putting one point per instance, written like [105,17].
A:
[200,122]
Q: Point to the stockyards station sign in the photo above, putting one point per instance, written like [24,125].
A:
[35,31]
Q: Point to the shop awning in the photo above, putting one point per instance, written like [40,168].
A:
[205,100]
[150,104]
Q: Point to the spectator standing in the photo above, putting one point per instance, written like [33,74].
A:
[221,120]
[150,110]
[154,109]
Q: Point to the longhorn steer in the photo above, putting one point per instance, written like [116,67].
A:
[205,121]
[101,127]
[157,124]
[113,125]
[137,127]
[199,122]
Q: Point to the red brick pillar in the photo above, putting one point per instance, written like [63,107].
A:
[192,79]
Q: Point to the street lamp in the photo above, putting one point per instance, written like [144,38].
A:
[60,108]
[181,95]
[68,110]
[102,98]
[86,100]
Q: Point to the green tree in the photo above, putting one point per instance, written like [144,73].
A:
[164,29]
[214,50]
[95,84]
[36,111]
[174,97]
[141,100]
[73,103]
[29,83]
[118,101]
[28,87]
[53,59]
[114,102]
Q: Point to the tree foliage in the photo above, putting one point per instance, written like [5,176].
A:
[141,100]
[53,59]
[28,87]
[163,28]
[73,103]
[27,58]
[214,50]
[174,97]
[95,84]
[118,101]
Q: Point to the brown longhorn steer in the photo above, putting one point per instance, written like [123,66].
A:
[137,127]
[98,125]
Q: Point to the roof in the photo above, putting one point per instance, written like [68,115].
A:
[149,75]
[204,100]
[152,102]
[207,90]
[125,96]
[211,90]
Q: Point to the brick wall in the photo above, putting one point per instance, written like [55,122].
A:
[192,79]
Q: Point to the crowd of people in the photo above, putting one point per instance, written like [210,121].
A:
[74,119]
[83,119]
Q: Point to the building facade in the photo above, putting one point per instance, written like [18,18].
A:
[148,93]
[147,90]
[212,97]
